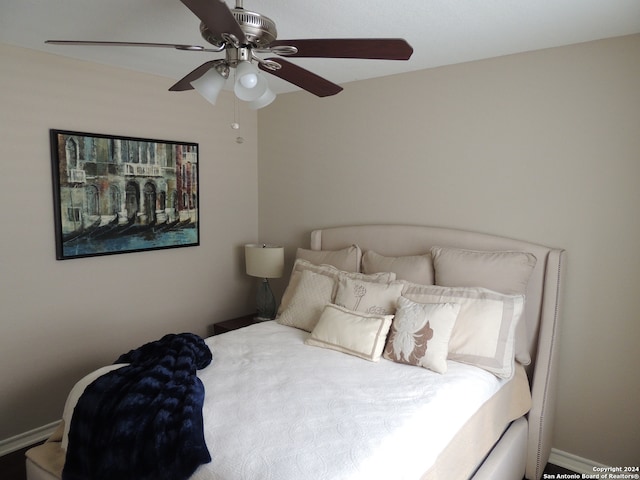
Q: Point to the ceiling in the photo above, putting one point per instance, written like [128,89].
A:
[442,32]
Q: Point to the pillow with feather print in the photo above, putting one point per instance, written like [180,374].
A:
[420,334]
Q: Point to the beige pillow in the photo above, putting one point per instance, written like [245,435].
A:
[505,272]
[355,333]
[420,334]
[484,332]
[330,271]
[369,297]
[348,259]
[313,292]
[413,268]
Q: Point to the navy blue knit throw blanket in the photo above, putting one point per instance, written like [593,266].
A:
[144,420]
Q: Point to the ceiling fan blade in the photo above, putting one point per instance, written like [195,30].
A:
[195,48]
[369,48]
[305,79]
[217,17]
[185,82]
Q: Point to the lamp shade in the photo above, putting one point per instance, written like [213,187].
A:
[209,85]
[264,261]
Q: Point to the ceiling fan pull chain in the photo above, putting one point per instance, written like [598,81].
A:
[236,114]
[236,118]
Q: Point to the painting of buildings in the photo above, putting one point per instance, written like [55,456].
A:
[118,195]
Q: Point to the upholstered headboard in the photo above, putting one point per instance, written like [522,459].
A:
[541,307]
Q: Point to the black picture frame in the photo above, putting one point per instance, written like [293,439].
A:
[117,194]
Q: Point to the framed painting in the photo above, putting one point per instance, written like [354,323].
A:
[122,194]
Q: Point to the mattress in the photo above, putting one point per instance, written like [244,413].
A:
[278,409]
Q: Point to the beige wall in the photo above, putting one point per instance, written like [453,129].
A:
[542,146]
[60,319]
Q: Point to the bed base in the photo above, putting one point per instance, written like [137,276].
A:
[34,472]
[508,458]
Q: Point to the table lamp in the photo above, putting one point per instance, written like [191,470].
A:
[264,261]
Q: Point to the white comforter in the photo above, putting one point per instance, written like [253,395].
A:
[278,409]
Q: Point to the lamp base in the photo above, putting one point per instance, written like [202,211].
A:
[265,302]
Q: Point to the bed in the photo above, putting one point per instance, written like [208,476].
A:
[343,397]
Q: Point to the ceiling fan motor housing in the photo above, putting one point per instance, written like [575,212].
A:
[259,29]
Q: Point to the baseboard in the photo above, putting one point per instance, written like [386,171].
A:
[27,439]
[573,462]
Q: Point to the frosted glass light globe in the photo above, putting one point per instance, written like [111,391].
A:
[250,83]
[250,80]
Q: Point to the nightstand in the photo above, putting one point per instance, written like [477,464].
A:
[234,324]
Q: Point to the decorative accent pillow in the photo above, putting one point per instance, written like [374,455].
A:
[313,292]
[348,259]
[484,332]
[369,297]
[355,333]
[330,271]
[505,272]
[420,334]
[413,268]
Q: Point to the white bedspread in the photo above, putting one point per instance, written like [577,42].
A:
[278,409]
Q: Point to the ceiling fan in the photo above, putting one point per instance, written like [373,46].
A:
[240,34]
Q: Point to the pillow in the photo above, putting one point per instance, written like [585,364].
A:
[413,268]
[504,272]
[347,259]
[484,332]
[420,334]
[355,333]
[330,271]
[369,297]
[313,292]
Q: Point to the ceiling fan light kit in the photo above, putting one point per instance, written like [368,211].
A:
[267,97]
[250,84]
[211,83]
[240,34]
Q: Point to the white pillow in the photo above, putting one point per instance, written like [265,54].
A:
[329,270]
[313,292]
[484,332]
[413,268]
[369,297]
[506,272]
[420,334]
[348,259]
[355,333]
